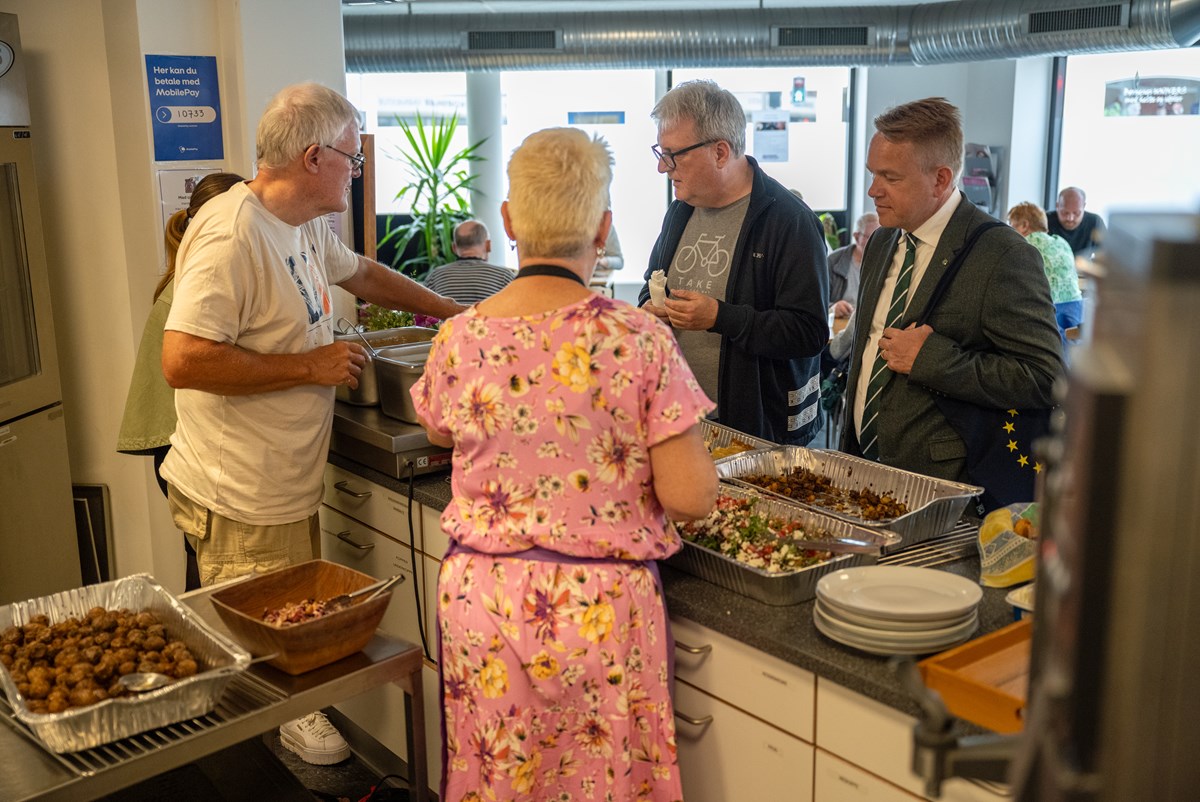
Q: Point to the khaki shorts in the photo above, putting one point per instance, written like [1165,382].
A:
[226,549]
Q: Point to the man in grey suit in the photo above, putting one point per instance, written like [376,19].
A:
[992,339]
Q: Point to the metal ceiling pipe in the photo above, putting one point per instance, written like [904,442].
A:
[929,33]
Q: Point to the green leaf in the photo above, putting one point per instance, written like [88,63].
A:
[438,191]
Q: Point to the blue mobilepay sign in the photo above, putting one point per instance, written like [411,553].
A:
[185,108]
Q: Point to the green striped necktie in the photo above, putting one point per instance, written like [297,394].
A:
[880,373]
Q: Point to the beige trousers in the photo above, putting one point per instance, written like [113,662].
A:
[226,549]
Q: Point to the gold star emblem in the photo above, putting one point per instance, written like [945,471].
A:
[1008,427]
[1023,461]
[1037,467]
[1012,445]
[1013,413]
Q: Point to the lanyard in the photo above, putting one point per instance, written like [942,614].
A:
[549,270]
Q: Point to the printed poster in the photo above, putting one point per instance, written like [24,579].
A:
[185,108]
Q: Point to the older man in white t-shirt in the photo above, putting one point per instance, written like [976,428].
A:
[249,347]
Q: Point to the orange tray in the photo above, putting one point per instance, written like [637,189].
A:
[985,680]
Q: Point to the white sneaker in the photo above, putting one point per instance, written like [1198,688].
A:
[315,740]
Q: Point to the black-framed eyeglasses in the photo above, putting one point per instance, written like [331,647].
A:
[356,159]
[668,157]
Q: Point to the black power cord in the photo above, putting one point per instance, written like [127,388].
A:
[418,566]
[378,793]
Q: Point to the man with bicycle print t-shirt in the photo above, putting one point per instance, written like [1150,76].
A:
[746,272]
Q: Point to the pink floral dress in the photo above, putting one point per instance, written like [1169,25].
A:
[554,661]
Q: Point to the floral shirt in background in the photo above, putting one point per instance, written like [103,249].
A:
[1059,262]
[554,672]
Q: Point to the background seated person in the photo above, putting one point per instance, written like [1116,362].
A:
[470,278]
[1058,261]
[1082,230]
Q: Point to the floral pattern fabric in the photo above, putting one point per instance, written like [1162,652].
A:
[1059,263]
[554,671]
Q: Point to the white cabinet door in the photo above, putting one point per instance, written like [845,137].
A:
[358,546]
[839,781]
[372,504]
[434,540]
[878,738]
[732,756]
[758,683]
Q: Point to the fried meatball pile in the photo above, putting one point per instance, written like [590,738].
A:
[76,662]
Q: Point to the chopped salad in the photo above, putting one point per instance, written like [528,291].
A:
[773,544]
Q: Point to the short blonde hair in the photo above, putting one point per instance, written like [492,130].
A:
[298,117]
[1030,214]
[934,128]
[558,181]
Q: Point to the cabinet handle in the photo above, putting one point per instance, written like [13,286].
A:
[344,487]
[345,538]
[695,722]
[705,649]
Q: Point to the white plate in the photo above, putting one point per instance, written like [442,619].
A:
[899,593]
[835,610]
[884,650]
[892,638]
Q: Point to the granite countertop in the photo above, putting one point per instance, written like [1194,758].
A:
[784,632]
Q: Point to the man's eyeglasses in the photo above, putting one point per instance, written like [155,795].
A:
[356,159]
[668,157]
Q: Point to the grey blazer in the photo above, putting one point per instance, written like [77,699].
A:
[994,343]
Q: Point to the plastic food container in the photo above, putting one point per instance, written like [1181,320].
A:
[397,370]
[367,392]
[80,728]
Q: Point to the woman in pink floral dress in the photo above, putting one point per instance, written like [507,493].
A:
[573,421]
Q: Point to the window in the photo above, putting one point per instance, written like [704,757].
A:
[809,152]
[1131,124]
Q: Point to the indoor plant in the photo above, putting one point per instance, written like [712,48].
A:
[439,195]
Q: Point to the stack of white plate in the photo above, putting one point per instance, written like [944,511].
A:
[887,609]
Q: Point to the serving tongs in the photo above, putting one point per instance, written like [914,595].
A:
[846,545]
[344,600]
[361,336]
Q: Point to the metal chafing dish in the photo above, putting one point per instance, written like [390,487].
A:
[934,504]
[367,393]
[787,588]
[83,728]
[718,436]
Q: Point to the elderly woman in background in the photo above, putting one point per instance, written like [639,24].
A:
[1058,261]
[573,419]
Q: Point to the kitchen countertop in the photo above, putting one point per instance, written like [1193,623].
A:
[784,632]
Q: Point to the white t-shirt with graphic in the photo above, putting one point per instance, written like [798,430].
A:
[701,264]
[246,277]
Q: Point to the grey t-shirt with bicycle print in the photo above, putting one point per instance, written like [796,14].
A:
[701,264]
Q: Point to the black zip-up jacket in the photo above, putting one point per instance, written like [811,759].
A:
[773,323]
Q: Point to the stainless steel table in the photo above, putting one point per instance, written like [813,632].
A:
[255,702]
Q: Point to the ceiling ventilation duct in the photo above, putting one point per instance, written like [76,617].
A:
[930,33]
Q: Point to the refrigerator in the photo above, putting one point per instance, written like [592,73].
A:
[39,552]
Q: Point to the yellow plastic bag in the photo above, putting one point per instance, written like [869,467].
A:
[1008,545]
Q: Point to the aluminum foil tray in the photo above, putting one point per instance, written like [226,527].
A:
[716,436]
[775,588]
[220,660]
[935,505]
